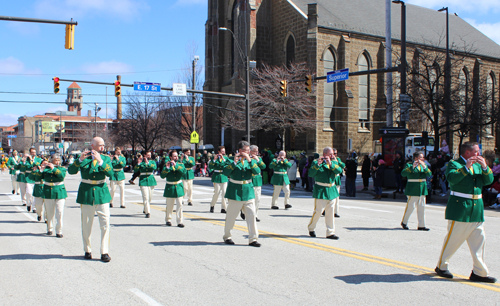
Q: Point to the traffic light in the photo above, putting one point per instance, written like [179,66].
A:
[117,88]
[56,84]
[70,37]
[309,83]
[283,89]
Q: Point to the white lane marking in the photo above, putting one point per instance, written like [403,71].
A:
[146,298]
[27,214]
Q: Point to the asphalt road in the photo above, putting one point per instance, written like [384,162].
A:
[375,262]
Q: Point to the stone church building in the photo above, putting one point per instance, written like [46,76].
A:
[330,35]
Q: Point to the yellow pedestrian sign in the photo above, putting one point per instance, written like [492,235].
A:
[195,138]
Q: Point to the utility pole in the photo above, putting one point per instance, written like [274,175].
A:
[193,96]
[388,62]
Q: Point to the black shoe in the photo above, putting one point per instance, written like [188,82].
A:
[323,213]
[49,233]
[110,204]
[444,273]
[24,204]
[122,206]
[180,225]
[337,216]
[242,215]
[483,279]
[131,182]
[34,211]
[275,207]
[334,237]
[424,229]
[211,209]
[143,211]
[59,235]
[87,255]
[148,215]
[254,244]
[257,219]
[404,226]
[287,206]
[169,223]
[312,234]
[222,211]
[105,258]
[13,192]
[28,208]
[39,218]
[190,204]
[229,241]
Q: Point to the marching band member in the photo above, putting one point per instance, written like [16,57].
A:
[280,180]
[54,192]
[187,179]
[12,165]
[174,189]
[257,178]
[118,178]
[219,180]
[147,181]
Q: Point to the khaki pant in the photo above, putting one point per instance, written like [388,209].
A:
[258,192]
[233,209]
[88,212]
[188,189]
[39,206]
[170,208]
[276,194]
[147,196]
[218,189]
[15,183]
[55,207]
[26,193]
[419,201]
[319,206]
[121,185]
[336,203]
[458,233]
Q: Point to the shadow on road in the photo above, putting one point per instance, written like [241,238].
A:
[372,228]
[38,256]
[132,225]
[299,216]
[16,221]
[387,278]
[186,243]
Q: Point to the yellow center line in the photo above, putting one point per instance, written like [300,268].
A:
[348,253]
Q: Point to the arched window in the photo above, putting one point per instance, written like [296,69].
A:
[463,89]
[363,92]
[329,92]
[490,98]
[290,50]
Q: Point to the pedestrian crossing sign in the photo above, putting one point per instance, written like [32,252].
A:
[195,138]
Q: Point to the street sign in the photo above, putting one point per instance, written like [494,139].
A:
[179,89]
[11,136]
[145,86]
[195,138]
[337,75]
[404,107]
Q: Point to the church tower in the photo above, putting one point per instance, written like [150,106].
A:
[75,99]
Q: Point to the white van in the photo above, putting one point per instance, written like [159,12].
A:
[415,143]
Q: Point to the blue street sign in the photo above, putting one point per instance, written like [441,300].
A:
[11,136]
[145,86]
[337,75]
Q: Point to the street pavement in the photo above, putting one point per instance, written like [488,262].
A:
[374,262]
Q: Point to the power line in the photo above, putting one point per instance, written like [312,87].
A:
[104,73]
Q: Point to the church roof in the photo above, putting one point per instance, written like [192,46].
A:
[74,85]
[423,26]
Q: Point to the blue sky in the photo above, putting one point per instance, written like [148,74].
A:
[143,40]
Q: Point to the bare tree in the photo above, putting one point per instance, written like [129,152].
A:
[268,109]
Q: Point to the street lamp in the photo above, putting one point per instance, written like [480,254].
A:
[402,68]
[447,77]
[247,81]
[97,109]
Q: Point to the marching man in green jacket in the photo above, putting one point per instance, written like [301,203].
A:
[325,170]
[465,211]
[54,193]
[146,166]
[12,165]
[25,167]
[217,165]
[174,189]
[187,179]
[338,183]
[416,189]
[93,194]
[118,162]
[36,176]
[280,180]
[241,194]
[257,178]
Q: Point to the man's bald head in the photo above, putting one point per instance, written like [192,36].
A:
[98,144]
[282,154]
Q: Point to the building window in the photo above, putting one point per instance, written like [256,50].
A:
[290,50]
[463,84]
[329,92]
[490,98]
[363,92]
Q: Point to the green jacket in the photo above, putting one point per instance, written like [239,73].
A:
[12,164]
[460,180]
[25,169]
[55,175]
[90,194]
[420,173]
[241,172]
[36,177]
[325,174]
[281,166]
[174,174]
[118,174]
[147,178]
[217,166]
[189,163]
[338,179]
[257,178]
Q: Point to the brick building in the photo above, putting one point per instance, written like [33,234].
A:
[331,35]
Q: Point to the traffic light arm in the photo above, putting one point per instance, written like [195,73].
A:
[366,72]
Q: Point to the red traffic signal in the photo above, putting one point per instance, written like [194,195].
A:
[56,84]
[117,88]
